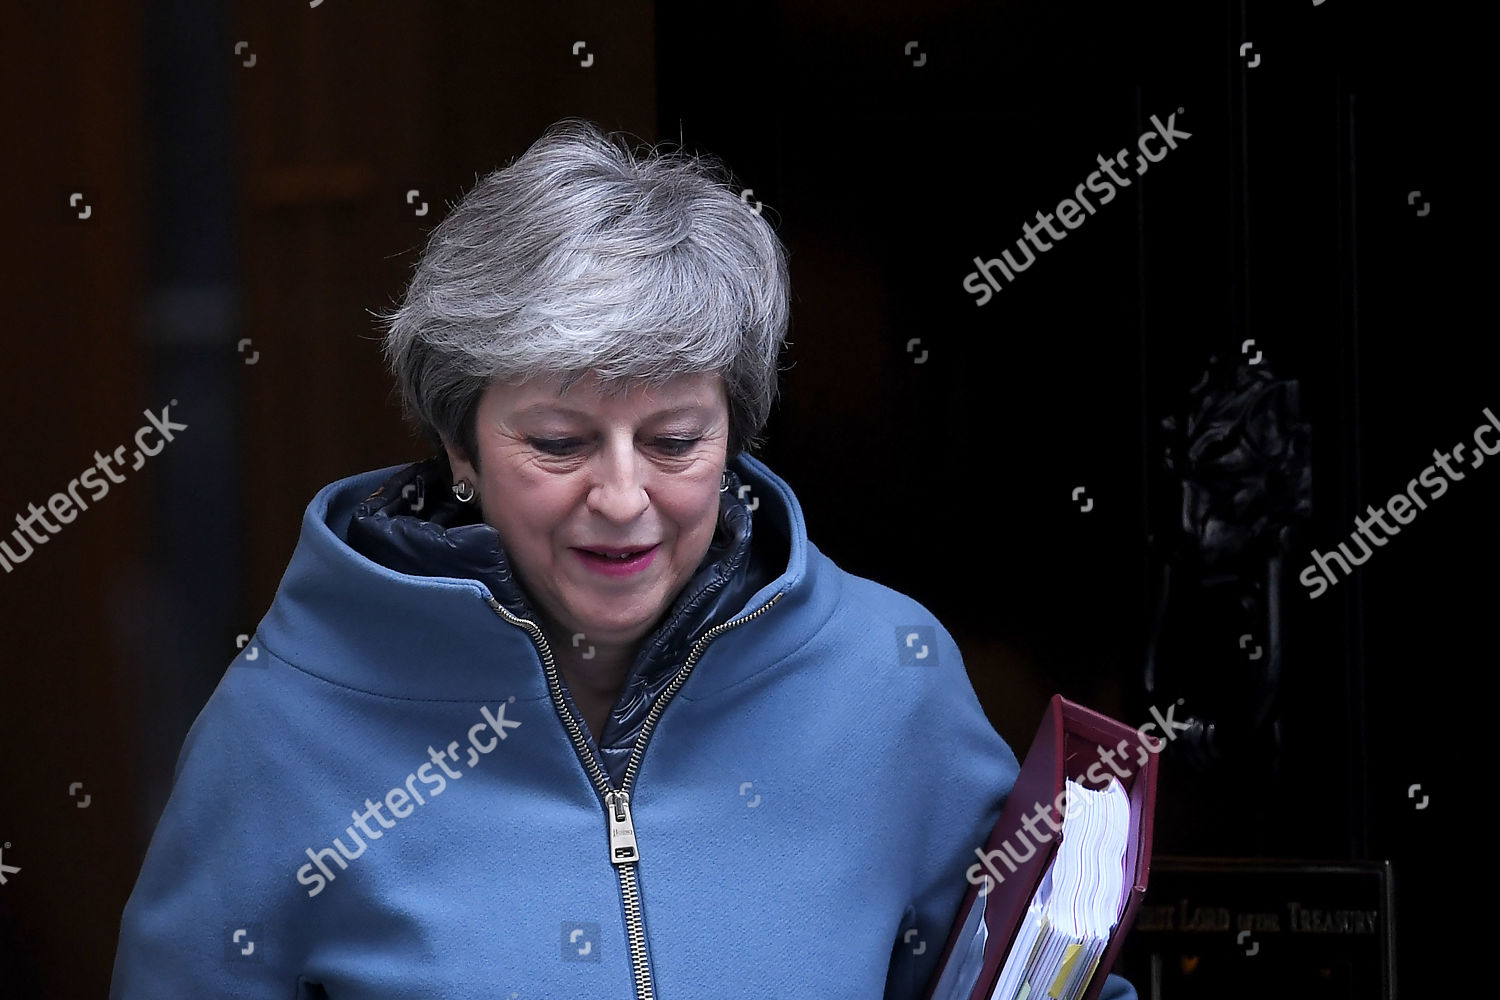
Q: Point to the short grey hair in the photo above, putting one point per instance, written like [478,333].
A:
[583,257]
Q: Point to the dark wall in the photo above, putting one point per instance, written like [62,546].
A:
[245,219]
[246,210]
[946,468]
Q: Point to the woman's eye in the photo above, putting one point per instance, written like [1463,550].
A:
[558,447]
[566,446]
[677,446]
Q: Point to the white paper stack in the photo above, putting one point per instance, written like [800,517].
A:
[1077,903]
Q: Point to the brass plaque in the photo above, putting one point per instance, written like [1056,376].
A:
[1217,928]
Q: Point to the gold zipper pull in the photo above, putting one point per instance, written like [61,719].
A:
[621,829]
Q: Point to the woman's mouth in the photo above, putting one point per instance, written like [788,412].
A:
[617,562]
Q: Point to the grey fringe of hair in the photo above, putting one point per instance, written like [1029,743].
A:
[583,257]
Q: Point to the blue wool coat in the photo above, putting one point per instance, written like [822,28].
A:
[390,793]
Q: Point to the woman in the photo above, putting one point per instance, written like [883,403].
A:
[575,708]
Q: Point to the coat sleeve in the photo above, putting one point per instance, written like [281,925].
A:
[208,914]
[957,814]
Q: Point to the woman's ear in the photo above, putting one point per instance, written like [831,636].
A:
[461,466]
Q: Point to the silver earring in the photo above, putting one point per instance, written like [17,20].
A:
[724,482]
[464,490]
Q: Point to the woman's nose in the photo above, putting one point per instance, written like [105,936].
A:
[618,490]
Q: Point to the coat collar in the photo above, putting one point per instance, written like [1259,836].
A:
[414,525]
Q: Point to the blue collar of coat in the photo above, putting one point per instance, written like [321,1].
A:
[414,525]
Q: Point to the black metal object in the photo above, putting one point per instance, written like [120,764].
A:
[177,615]
[1239,460]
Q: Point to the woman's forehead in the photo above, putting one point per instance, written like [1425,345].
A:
[684,394]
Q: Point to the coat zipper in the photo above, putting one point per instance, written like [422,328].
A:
[623,853]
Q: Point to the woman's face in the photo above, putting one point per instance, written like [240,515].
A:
[559,475]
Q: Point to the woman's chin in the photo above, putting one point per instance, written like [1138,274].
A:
[599,627]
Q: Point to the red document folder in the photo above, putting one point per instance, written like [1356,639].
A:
[1070,741]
